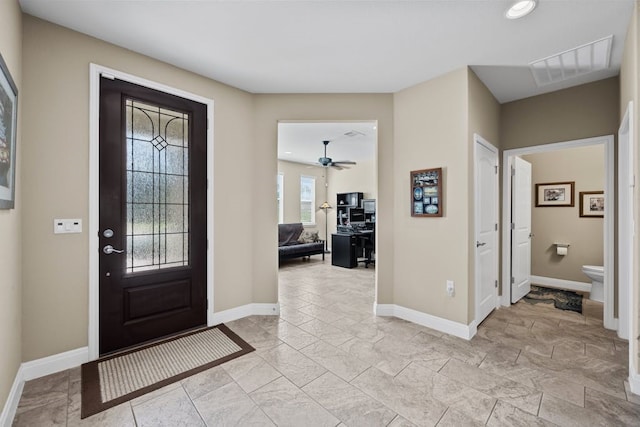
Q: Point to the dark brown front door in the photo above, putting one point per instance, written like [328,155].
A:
[153,211]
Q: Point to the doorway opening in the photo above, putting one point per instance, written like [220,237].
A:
[557,247]
[326,191]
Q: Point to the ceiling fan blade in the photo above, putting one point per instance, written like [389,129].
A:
[345,162]
[338,167]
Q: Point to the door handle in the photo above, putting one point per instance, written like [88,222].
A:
[478,244]
[111,250]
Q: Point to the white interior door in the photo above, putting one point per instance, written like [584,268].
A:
[520,229]
[486,224]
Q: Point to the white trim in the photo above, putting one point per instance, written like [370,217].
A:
[477,139]
[246,310]
[94,166]
[36,369]
[607,140]
[447,326]
[11,404]
[58,362]
[634,382]
[551,282]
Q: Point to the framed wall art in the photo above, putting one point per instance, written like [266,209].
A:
[8,126]
[426,192]
[592,204]
[558,194]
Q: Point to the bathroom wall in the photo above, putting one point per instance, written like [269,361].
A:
[584,166]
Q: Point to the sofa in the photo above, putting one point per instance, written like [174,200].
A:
[296,242]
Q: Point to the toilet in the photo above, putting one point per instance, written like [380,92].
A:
[596,274]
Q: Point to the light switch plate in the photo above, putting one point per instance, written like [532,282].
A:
[64,226]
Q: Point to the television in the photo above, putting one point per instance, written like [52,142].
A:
[356,216]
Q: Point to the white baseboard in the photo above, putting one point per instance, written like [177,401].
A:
[56,363]
[438,323]
[634,382]
[39,368]
[11,405]
[570,285]
[245,311]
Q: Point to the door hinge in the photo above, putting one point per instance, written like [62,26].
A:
[513,171]
[496,226]
[513,280]
[496,166]
[496,283]
[108,76]
[513,225]
[207,244]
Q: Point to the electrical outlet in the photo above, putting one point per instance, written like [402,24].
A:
[450,288]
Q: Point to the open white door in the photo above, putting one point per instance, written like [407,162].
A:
[520,229]
[486,225]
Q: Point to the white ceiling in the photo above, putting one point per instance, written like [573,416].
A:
[355,46]
[302,142]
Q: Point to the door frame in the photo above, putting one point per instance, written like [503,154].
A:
[607,140]
[95,72]
[477,139]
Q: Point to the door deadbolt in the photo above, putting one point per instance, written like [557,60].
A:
[108,233]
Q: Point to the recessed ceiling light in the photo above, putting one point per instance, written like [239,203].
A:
[520,8]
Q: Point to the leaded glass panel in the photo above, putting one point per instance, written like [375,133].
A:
[157,187]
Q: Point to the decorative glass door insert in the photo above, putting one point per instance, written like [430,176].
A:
[157,195]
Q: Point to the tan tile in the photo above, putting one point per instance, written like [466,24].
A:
[505,415]
[347,402]
[617,410]
[205,382]
[297,367]
[523,397]
[563,413]
[287,405]
[229,405]
[52,414]
[43,391]
[453,418]
[411,403]
[250,372]
[335,360]
[170,409]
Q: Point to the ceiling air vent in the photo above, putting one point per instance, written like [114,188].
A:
[353,133]
[571,63]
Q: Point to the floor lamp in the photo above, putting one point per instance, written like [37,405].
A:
[325,207]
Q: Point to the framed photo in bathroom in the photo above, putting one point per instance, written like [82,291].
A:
[555,194]
[592,204]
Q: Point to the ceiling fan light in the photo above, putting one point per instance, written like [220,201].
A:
[520,9]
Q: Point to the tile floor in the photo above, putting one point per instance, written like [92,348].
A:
[327,361]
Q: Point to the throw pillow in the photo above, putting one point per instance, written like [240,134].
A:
[308,236]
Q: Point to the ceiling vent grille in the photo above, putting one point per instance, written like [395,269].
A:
[571,63]
[353,133]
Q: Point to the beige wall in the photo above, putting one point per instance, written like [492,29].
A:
[271,108]
[55,154]
[10,220]
[430,122]
[585,166]
[629,76]
[579,112]
[292,172]
[360,178]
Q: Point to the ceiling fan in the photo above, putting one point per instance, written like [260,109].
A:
[328,161]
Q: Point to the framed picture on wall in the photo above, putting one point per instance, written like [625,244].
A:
[8,126]
[592,204]
[426,192]
[555,194]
